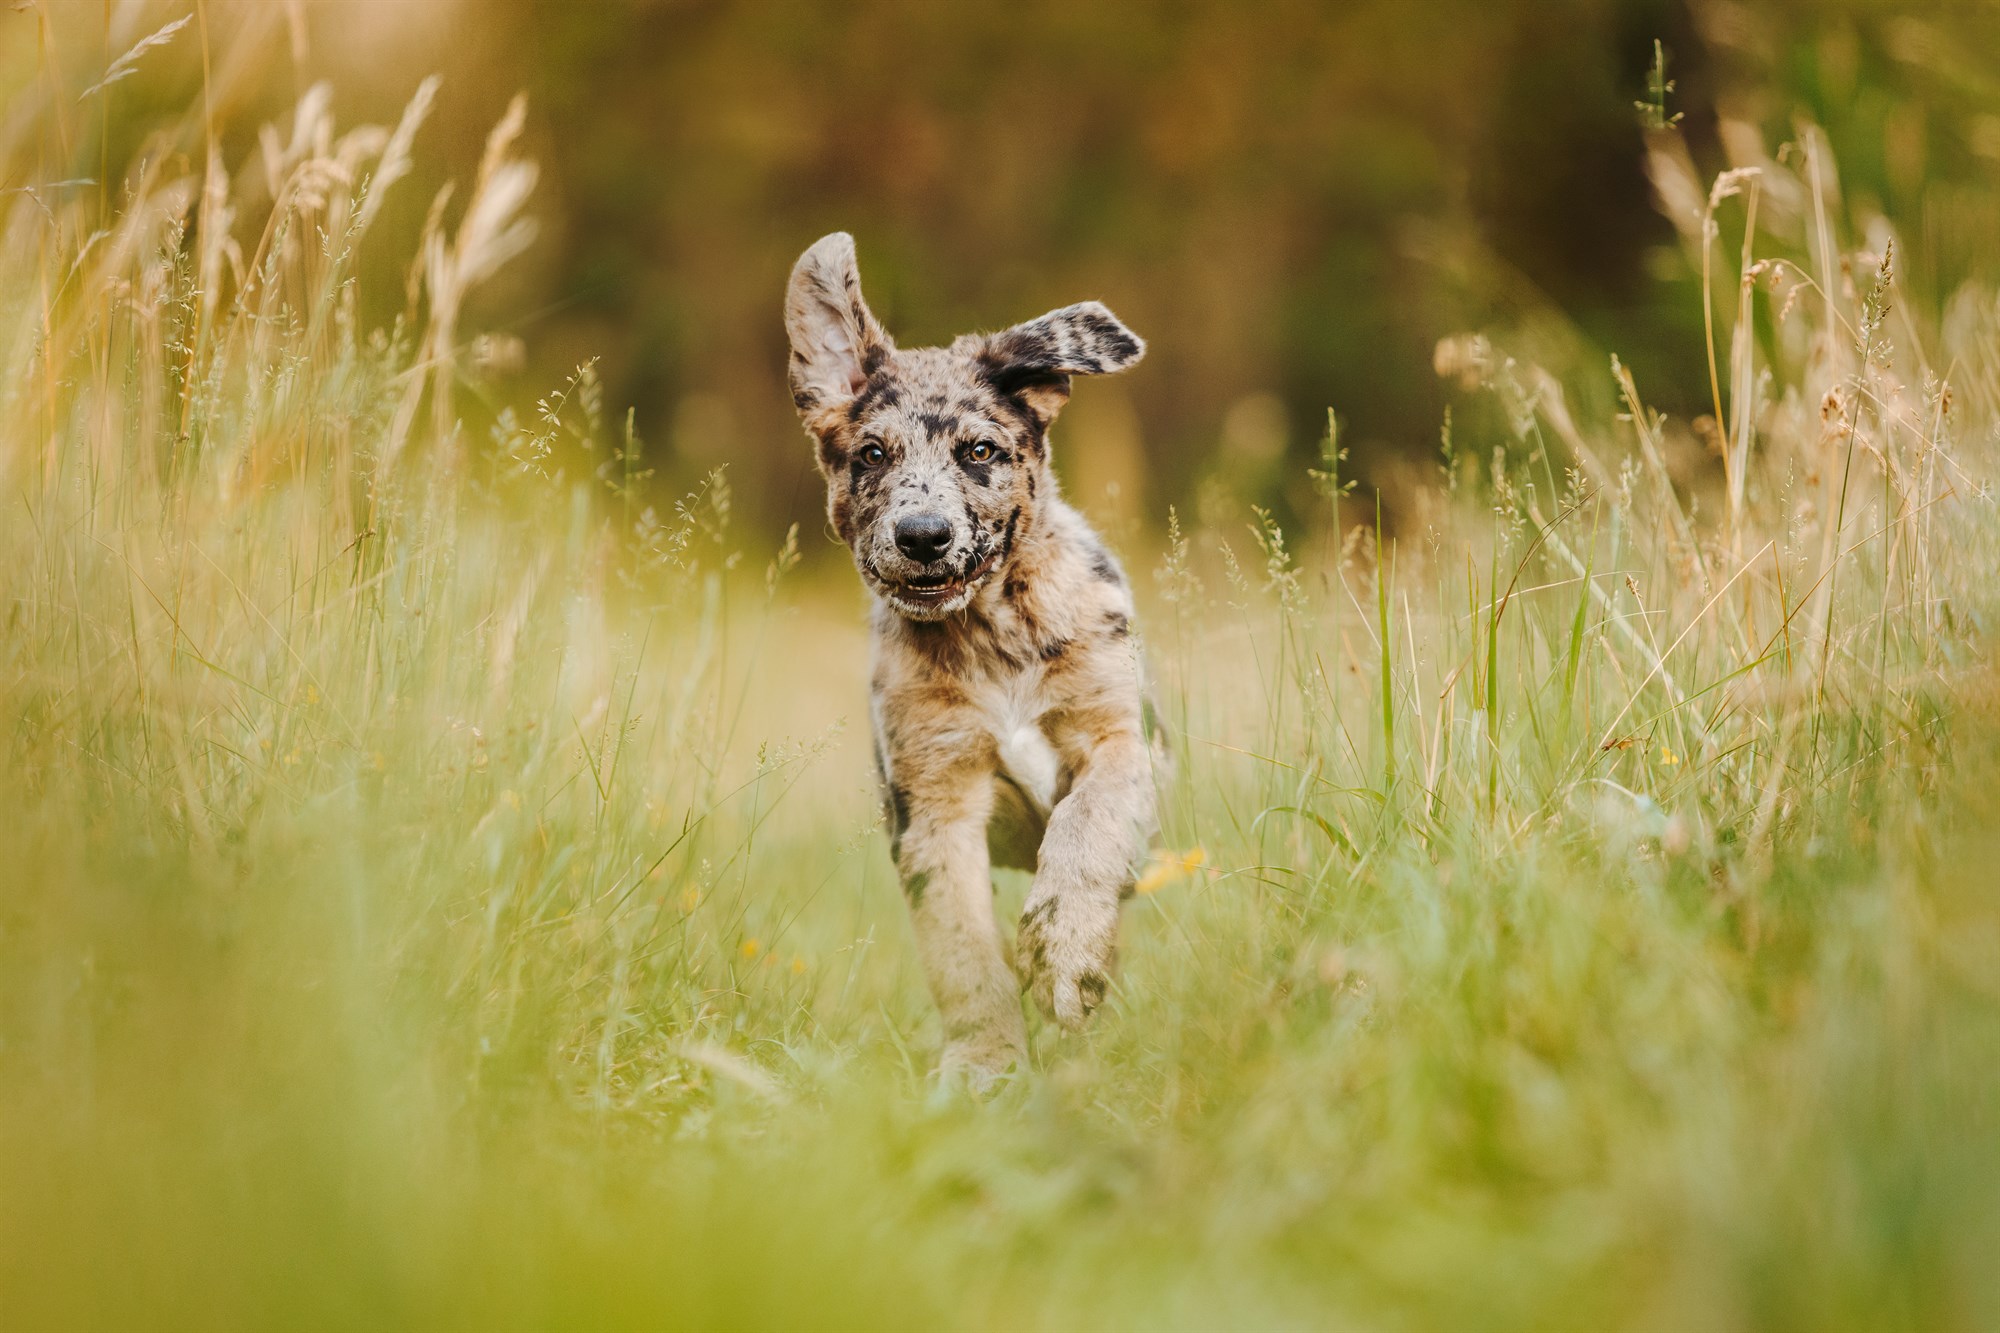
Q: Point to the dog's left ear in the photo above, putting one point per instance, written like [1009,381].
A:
[1032,362]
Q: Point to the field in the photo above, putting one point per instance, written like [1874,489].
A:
[445,887]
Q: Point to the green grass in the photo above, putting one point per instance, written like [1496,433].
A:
[443,890]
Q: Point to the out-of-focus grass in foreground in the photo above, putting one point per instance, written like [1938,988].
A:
[439,890]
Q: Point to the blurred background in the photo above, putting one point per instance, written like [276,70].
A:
[1294,202]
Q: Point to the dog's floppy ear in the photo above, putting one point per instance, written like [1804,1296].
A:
[1032,362]
[835,340]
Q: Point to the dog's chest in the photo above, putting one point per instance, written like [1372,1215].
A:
[1012,710]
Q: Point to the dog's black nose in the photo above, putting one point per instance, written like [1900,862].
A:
[923,537]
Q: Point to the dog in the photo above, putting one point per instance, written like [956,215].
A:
[1010,711]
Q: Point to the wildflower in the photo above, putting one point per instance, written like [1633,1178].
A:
[752,947]
[1668,757]
[798,966]
[1164,868]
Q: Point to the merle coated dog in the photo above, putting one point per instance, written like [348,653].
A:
[1009,705]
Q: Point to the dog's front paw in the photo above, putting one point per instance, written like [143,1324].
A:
[1064,954]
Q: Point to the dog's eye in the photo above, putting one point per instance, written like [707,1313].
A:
[981,451]
[873,455]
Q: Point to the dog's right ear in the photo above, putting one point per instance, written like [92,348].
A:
[836,342]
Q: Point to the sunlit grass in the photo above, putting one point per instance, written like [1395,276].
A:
[444,882]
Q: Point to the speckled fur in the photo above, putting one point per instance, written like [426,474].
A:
[1009,706]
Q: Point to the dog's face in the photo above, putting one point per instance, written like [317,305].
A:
[933,457]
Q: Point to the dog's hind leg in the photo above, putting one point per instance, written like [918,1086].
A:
[1014,832]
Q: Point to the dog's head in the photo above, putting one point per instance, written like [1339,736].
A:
[933,457]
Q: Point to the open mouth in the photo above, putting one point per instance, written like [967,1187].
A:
[937,589]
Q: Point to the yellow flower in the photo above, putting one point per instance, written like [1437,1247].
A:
[752,947]
[798,966]
[1668,757]
[1164,868]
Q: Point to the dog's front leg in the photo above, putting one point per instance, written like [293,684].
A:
[942,857]
[1096,835]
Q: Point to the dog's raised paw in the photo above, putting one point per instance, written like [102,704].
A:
[1064,955]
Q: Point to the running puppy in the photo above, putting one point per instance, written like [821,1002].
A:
[1008,705]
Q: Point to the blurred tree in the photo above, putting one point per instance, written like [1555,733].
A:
[1293,200]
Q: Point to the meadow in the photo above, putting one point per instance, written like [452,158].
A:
[445,885]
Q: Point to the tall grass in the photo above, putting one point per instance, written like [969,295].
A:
[441,888]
